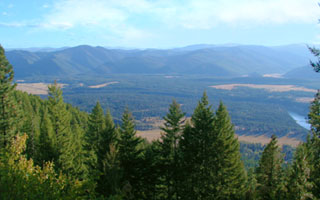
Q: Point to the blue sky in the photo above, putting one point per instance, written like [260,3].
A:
[157,23]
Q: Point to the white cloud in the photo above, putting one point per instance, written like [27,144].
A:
[193,14]
[271,11]
[84,13]
[111,16]
[205,14]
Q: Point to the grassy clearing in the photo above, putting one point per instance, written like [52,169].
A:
[271,88]
[36,88]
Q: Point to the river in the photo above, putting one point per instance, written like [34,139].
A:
[301,120]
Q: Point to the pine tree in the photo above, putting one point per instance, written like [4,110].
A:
[169,148]
[30,124]
[197,138]
[130,155]
[230,175]
[78,167]
[269,173]
[314,145]
[299,186]
[47,140]
[93,137]
[108,164]
[8,106]
[61,119]
[96,128]
[109,182]
[109,136]
[211,156]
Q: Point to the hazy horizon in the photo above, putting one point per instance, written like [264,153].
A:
[137,48]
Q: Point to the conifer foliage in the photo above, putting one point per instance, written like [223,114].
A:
[269,172]
[170,153]
[8,105]
[130,155]
[211,155]
[299,184]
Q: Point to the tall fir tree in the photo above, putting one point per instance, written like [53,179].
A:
[8,105]
[47,140]
[93,137]
[69,144]
[109,182]
[108,165]
[60,119]
[211,155]
[30,124]
[230,177]
[269,173]
[96,127]
[197,138]
[130,154]
[78,167]
[108,136]
[170,155]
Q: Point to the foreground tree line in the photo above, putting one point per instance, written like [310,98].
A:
[51,150]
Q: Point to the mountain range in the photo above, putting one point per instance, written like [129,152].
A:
[227,60]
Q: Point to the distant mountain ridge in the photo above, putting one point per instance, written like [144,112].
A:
[227,60]
[305,72]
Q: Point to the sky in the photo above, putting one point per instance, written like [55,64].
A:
[157,23]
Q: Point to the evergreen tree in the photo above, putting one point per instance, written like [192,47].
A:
[169,149]
[30,123]
[108,159]
[60,119]
[211,156]
[315,65]
[78,167]
[109,182]
[251,193]
[230,177]
[314,145]
[196,143]
[269,173]
[152,173]
[314,115]
[109,136]
[96,127]
[8,106]
[130,155]
[69,144]
[299,186]
[47,140]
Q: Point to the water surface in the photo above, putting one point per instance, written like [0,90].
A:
[301,120]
